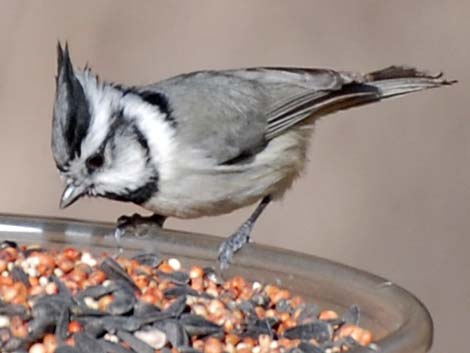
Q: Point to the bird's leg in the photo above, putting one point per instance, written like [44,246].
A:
[137,225]
[242,236]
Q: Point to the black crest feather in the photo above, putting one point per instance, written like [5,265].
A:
[75,115]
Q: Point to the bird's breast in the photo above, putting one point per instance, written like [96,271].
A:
[197,189]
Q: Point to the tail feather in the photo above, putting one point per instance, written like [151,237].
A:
[398,80]
[357,90]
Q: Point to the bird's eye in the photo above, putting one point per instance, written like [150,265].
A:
[95,161]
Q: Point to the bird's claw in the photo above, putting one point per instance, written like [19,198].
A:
[136,225]
[233,244]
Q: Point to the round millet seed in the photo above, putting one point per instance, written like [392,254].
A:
[7,293]
[196,272]
[197,283]
[37,348]
[141,281]
[279,295]
[264,342]
[105,301]
[66,265]
[45,263]
[165,267]
[17,327]
[213,345]
[50,343]
[51,288]
[216,307]
[3,265]
[362,336]
[243,350]
[232,339]
[154,338]
[175,264]
[72,254]
[74,327]
[328,315]
[97,277]
[4,321]
[198,344]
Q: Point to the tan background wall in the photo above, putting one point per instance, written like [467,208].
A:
[388,186]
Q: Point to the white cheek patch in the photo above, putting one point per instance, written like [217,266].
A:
[103,100]
[159,134]
[128,169]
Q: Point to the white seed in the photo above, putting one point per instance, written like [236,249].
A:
[32,272]
[111,338]
[91,303]
[154,338]
[256,349]
[43,281]
[241,346]
[4,321]
[273,345]
[37,348]
[230,348]
[199,309]
[256,286]
[58,272]
[175,264]
[88,259]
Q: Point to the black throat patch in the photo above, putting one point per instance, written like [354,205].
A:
[138,196]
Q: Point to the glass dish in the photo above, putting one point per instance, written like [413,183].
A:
[399,322]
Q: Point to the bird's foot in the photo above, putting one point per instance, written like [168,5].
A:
[233,244]
[137,225]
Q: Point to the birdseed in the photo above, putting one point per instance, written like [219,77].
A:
[68,301]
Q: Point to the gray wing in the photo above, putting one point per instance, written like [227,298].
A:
[231,114]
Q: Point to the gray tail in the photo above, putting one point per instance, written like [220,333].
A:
[356,90]
[398,80]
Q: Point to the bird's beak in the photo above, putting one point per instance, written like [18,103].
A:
[71,194]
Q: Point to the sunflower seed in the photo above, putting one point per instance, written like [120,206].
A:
[112,347]
[67,349]
[153,337]
[87,344]
[309,313]
[151,259]
[180,291]
[136,344]
[309,348]
[62,326]
[320,331]
[177,307]
[196,325]
[14,310]
[114,271]
[122,303]
[142,308]
[174,331]
[188,349]
[94,292]
[352,315]
[123,323]
[177,277]
[19,275]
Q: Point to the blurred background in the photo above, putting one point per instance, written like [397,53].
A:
[388,185]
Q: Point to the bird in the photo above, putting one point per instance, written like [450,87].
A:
[203,143]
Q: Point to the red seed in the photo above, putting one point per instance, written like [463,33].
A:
[74,327]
